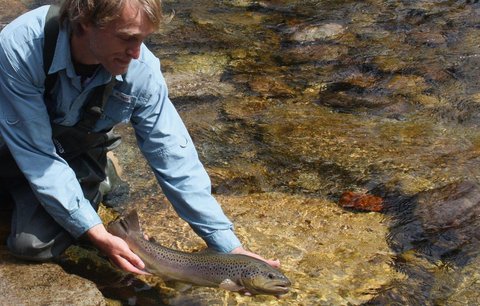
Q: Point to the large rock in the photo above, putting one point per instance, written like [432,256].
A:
[23,283]
[436,240]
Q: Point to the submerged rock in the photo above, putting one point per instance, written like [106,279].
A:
[308,33]
[313,53]
[436,237]
[270,87]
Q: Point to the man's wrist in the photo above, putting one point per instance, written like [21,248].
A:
[223,241]
[97,234]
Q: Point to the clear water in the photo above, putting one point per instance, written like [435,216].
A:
[291,103]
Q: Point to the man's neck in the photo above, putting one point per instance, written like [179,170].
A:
[80,51]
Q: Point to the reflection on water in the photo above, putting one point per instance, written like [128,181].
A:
[291,103]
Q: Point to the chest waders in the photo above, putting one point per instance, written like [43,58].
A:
[34,234]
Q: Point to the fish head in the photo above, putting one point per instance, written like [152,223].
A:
[261,278]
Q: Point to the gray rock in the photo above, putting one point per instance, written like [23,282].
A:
[315,32]
[23,283]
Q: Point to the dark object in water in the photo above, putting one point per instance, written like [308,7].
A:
[434,233]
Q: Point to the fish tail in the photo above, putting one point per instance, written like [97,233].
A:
[126,225]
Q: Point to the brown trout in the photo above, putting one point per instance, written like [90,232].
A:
[228,271]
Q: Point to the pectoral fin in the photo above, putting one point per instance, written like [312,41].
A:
[230,285]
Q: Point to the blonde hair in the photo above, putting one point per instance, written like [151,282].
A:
[101,12]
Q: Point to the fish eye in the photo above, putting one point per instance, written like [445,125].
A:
[271,276]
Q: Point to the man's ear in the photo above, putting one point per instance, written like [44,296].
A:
[84,27]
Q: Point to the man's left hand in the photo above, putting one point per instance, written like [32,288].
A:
[240,250]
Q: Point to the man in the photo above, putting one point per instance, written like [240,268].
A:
[56,133]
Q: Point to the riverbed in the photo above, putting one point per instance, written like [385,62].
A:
[292,103]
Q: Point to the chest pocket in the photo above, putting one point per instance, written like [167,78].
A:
[119,108]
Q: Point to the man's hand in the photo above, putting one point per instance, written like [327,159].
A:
[116,249]
[241,250]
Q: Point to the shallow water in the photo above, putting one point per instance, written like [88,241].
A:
[291,103]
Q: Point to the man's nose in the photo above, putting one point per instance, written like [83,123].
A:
[134,50]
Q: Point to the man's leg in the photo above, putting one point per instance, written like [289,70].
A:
[34,234]
[6,208]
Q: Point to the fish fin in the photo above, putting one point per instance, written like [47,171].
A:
[125,225]
[131,221]
[230,285]
[208,251]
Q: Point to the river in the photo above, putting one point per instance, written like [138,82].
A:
[292,103]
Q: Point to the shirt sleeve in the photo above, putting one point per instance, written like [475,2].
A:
[26,130]
[166,144]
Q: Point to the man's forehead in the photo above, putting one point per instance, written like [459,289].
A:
[132,20]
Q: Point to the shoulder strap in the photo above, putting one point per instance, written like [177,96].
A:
[93,110]
[99,96]
[50,30]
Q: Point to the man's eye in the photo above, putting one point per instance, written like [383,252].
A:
[128,38]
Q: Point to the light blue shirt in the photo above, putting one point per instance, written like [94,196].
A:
[140,97]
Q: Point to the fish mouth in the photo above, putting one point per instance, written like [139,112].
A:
[281,289]
[276,288]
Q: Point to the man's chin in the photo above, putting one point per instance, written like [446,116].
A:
[118,71]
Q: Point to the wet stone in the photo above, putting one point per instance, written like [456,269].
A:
[309,33]
[427,37]
[407,84]
[434,233]
[23,283]
[270,87]
[312,53]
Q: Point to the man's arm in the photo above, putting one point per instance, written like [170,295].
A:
[168,148]
[186,184]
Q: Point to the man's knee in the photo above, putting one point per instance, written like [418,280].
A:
[29,247]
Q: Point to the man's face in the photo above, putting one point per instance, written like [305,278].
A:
[116,44]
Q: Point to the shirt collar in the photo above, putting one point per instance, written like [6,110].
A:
[62,59]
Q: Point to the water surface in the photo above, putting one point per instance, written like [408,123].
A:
[291,103]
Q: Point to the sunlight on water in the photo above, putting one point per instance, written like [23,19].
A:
[291,103]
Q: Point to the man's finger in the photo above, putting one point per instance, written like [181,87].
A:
[274,263]
[128,266]
[135,261]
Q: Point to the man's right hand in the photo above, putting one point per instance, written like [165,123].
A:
[116,249]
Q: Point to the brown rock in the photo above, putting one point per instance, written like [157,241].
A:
[313,53]
[270,87]
[361,201]
[23,283]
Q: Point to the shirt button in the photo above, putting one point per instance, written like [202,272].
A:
[184,144]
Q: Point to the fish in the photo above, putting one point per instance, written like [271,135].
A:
[232,272]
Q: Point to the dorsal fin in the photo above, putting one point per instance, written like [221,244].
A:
[131,221]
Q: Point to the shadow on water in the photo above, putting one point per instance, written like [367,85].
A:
[435,237]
